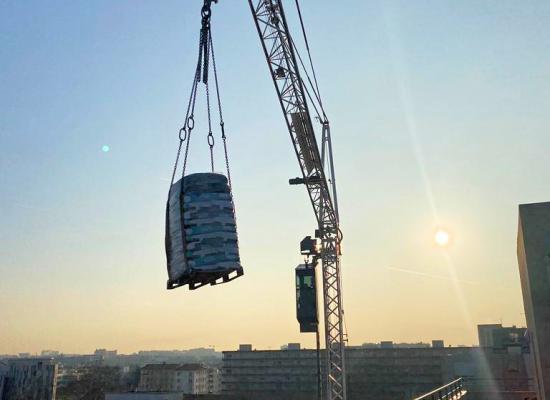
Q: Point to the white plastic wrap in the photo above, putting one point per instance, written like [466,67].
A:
[201,233]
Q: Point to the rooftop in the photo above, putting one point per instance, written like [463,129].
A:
[178,367]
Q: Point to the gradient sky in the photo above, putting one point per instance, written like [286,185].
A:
[440,116]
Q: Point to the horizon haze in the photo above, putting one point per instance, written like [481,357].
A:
[439,115]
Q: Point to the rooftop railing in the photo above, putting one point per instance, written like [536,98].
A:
[451,391]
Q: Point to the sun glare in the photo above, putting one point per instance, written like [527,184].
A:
[442,238]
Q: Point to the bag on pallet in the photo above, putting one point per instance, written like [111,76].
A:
[201,232]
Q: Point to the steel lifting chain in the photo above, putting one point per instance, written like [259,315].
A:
[185,131]
[210,138]
[222,123]
[206,49]
[205,41]
[206,14]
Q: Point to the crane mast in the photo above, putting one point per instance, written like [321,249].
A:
[279,51]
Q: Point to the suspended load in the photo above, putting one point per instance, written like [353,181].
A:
[201,233]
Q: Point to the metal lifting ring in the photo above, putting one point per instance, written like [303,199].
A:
[190,123]
[211,139]
[184,130]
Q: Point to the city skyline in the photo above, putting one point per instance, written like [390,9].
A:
[439,118]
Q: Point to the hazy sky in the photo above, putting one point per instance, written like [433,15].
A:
[440,115]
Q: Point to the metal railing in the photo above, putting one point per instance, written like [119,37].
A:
[451,391]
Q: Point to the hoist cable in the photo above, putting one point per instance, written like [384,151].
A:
[317,97]
[306,88]
[312,103]
[318,92]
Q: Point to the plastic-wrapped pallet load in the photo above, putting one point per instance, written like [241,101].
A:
[201,233]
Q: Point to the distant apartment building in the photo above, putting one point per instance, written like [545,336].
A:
[372,373]
[2,384]
[214,381]
[388,344]
[68,375]
[271,372]
[50,353]
[30,379]
[534,270]
[3,375]
[498,336]
[104,353]
[485,334]
[184,378]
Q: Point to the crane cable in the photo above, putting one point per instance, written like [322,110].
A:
[316,87]
[206,49]
[306,89]
[318,96]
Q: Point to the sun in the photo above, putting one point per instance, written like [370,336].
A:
[442,238]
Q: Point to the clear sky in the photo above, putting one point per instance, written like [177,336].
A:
[440,116]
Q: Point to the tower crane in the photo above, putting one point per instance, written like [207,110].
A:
[284,62]
[301,104]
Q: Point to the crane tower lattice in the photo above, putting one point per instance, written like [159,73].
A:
[282,60]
